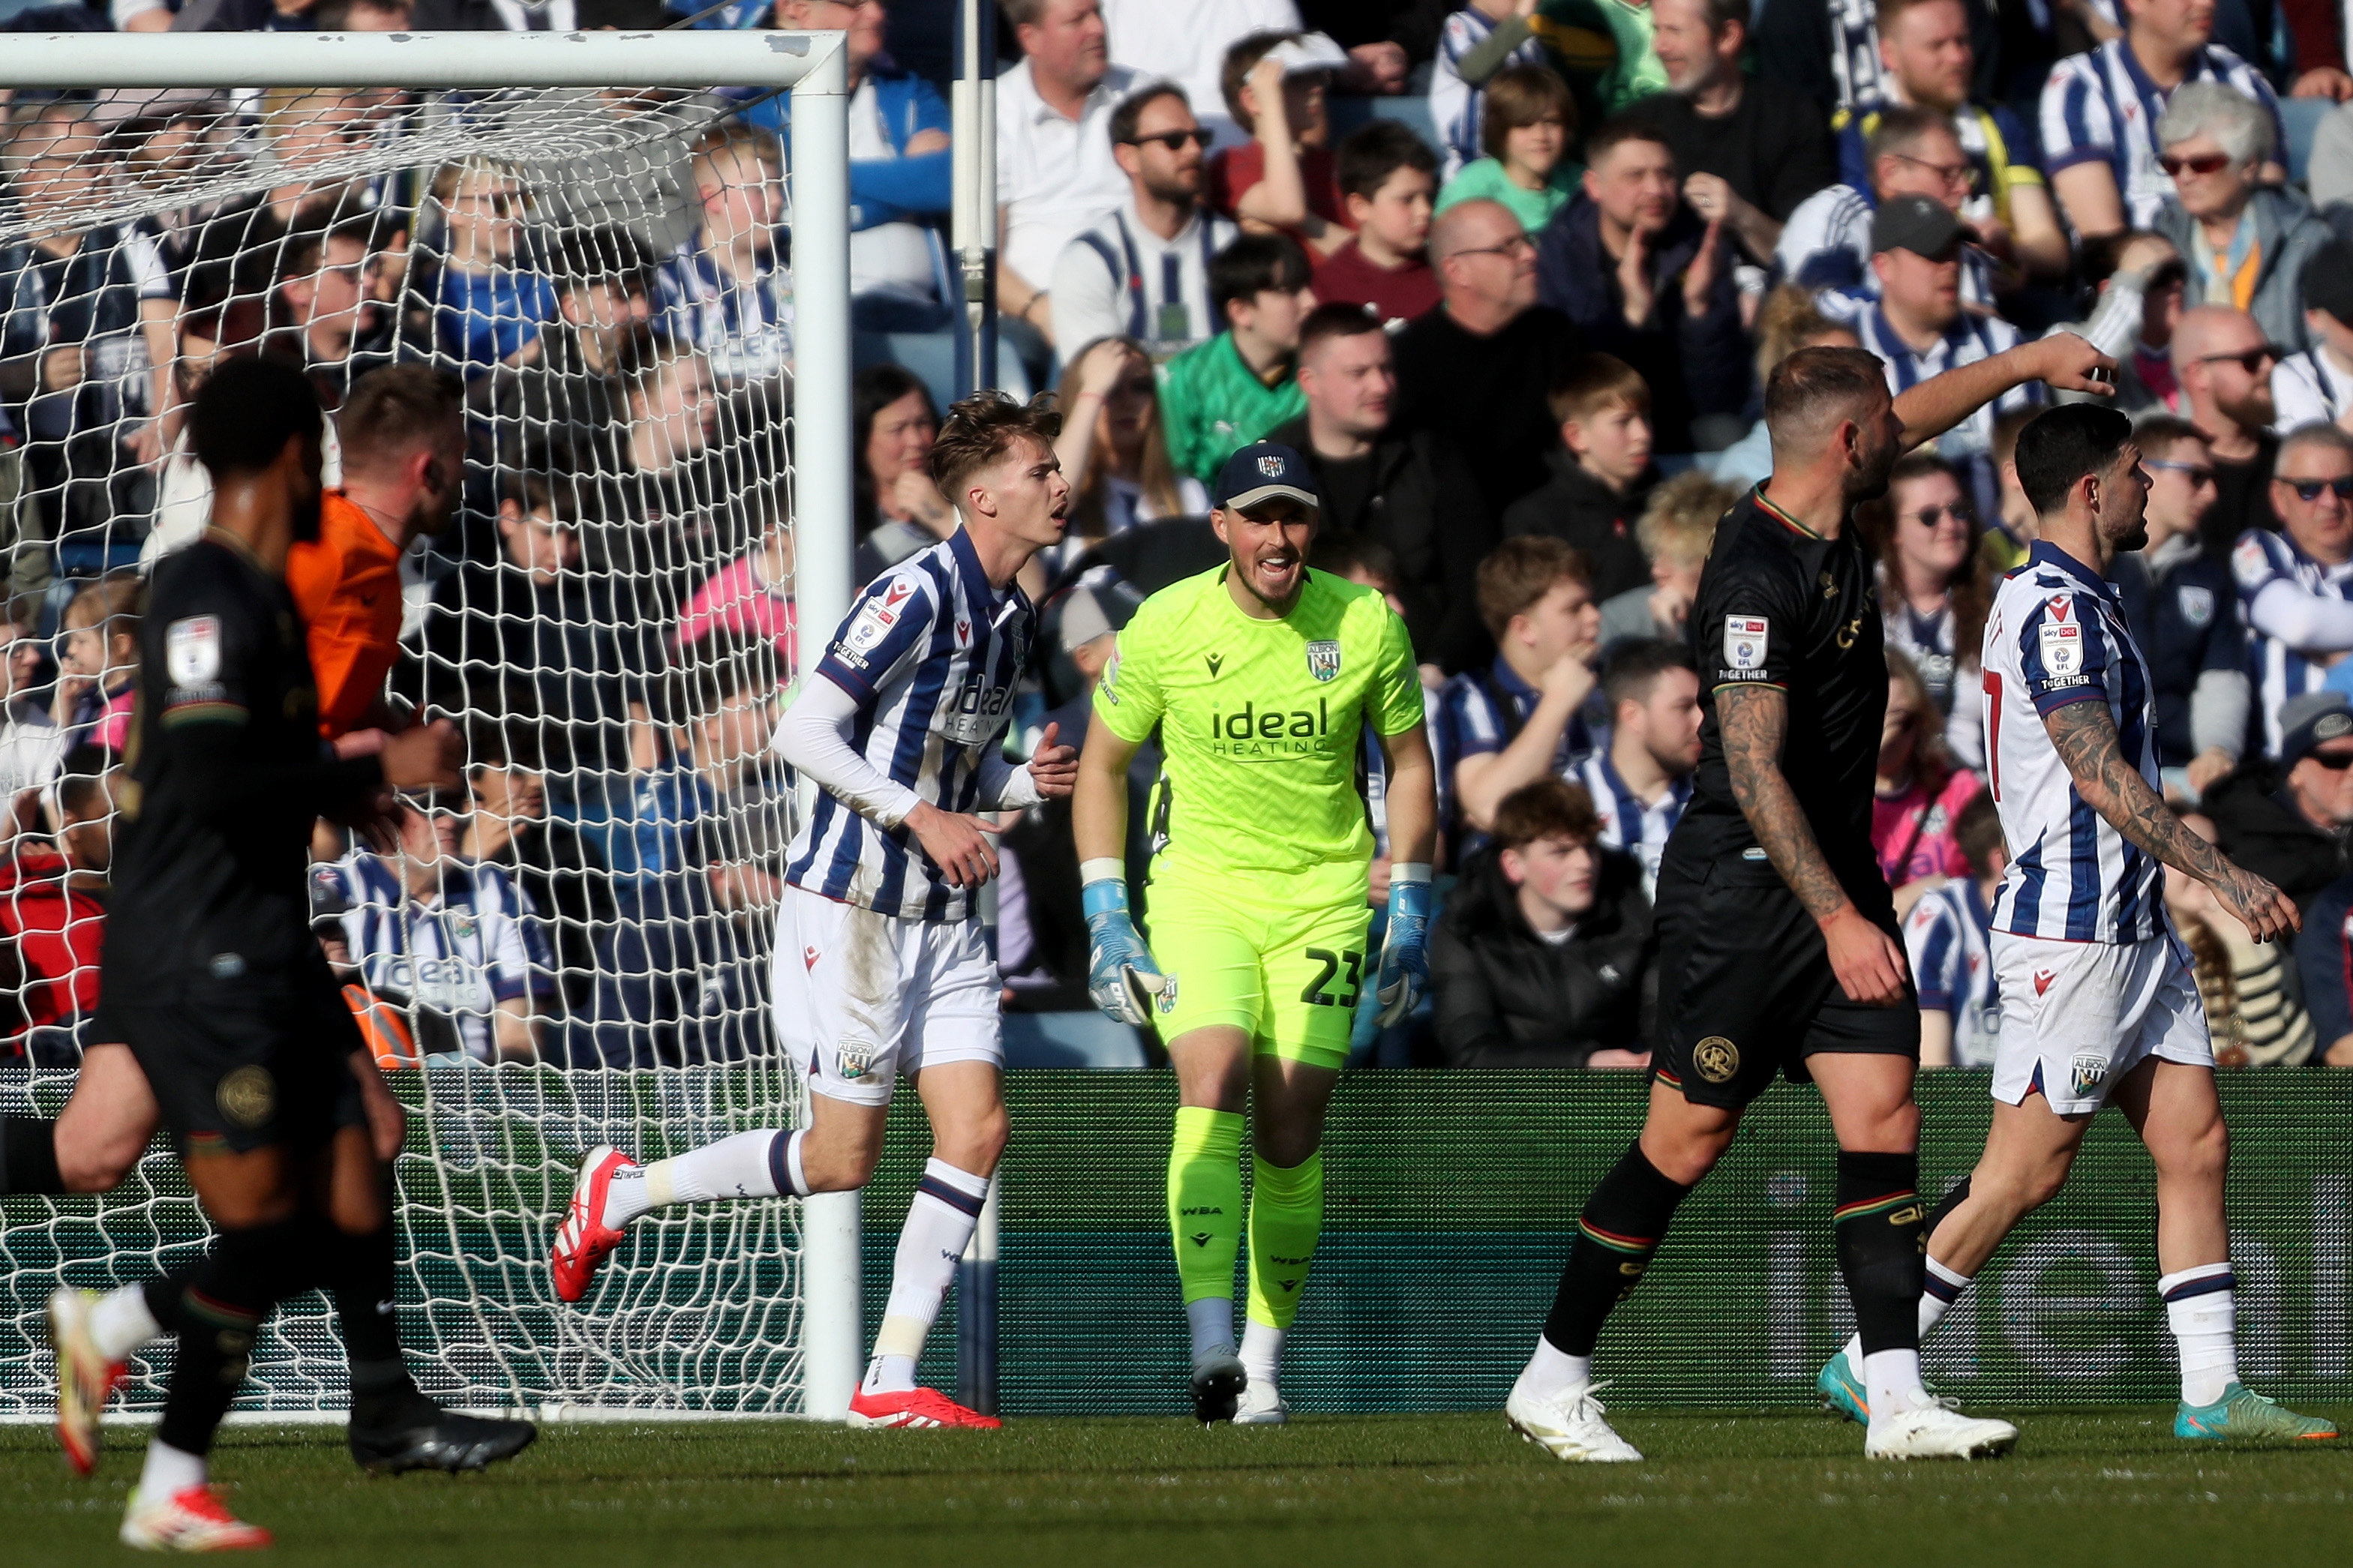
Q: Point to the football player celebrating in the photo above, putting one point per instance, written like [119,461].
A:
[1262,676]
[880,967]
[2099,1004]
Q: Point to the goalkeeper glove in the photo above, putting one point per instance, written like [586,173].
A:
[1405,958]
[1122,979]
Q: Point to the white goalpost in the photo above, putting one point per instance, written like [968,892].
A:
[503,207]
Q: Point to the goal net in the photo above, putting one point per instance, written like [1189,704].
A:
[572,952]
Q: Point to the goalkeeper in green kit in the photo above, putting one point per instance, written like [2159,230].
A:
[1262,678]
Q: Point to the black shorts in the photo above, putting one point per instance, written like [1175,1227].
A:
[246,1063]
[1745,987]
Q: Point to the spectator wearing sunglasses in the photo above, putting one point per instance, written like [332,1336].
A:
[2224,365]
[2101,110]
[1143,272]
[2296,585]
[1826,245]
[2291,820]
[1934,587]
[2184,616]
[2247,244]
[2317,385]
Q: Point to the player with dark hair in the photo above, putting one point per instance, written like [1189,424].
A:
[881,967]
[2099,1001]
[211,974]
[1778,932]
[1264,680]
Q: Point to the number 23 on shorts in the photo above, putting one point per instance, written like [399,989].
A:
[1349,967]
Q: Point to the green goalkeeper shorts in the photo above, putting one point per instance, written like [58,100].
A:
[1280,958]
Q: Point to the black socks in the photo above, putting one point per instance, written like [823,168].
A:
[1883,1235]
[1623,1225]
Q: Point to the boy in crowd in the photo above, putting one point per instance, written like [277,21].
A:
[1219,396]
[2317,385]
[1389,178]
[1602,476]
[1522,718]
[724,291]
[1948,934]
[1285,178]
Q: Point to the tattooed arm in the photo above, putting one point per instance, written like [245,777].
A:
[2085,736]
[1753,719]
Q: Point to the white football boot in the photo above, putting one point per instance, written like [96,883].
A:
[1262,1405]
[1935,1432]
[1568,1426]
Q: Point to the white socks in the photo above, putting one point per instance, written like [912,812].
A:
[168,1472]
[939,1225]
[1262,1354]
[1211,1319]
[1945,1288]
[2200,1308]
[760,1164]
[1552,1372]
[1890,1380]
[121,1323]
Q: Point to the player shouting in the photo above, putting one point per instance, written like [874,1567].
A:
[1261,676]
[1778,933]
[2099,1005]
[881,966]
[212,975]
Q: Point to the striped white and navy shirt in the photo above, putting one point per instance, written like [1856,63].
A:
[1627,823]
[1120,280]
[1826,246]
[1455,105]
[2306,389]
[2057,636]
[2270,565]
[931,655]
[455,957]
[1946,934]
[745,326]
[1968,340]
[2101,106]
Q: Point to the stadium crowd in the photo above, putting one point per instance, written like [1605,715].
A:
[1509,278]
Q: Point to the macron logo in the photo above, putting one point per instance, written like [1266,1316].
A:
[808,958]
[2043,979]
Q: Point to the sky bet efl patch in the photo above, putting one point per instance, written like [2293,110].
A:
[192,650]
[1744,642]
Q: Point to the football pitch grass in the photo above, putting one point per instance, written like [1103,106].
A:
[2109,1485]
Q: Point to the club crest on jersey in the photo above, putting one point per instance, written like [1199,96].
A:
[2061,637]
[2087,1072]
[2197,606]
[2249,564]
[1322,655]
[1744,641]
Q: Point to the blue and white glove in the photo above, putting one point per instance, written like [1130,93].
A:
[1122,979]
[1405,954]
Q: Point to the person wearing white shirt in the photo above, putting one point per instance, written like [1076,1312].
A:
[1144,272]
[1055,173]
[1186,41]
[2315,387]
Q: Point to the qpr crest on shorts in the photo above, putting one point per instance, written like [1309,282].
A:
[1324,659]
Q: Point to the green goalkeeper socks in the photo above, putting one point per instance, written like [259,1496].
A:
[1285,1217]
[1205,1200]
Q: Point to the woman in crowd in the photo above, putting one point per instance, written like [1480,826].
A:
[2245,243]
[899,510]
[1919,793]
[1933,591]
[1114,451]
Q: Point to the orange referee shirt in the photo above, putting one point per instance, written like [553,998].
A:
[346,587]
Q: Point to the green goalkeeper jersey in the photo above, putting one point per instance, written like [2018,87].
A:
[1261,721]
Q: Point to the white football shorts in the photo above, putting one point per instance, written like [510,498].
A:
[2076,1017]
[862,997]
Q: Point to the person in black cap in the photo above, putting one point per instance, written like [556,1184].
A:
[1919,328]
[1778,936]
[1263,677]
[2317,385]
[2291,820]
